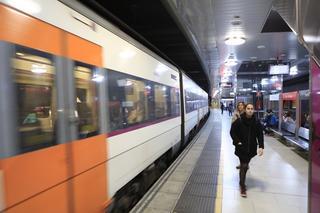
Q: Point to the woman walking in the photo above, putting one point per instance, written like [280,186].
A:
[246,133]
[240,109]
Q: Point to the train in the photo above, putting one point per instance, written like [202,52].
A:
[89,116]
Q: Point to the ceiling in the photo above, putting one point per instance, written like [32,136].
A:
[212,21]
[192,34]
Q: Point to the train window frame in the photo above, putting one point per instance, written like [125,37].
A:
[121,126]
[41,124]
[89,130]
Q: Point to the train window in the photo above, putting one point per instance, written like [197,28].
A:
[161,100]
[149,91]
[174,102]
[130,100]
[86,100]
[34,76]
[304,113]
[116,96]
[191,101]
[135,102]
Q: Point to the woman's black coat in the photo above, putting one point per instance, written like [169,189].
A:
[249,132]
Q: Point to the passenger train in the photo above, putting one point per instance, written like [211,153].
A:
[87,113]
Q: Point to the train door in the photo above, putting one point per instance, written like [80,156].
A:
[87,147]
[53,151]
[314,163]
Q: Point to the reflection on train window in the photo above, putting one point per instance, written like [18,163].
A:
[134,100]
[304,113]
[161,99]
[134,104]
[86,96]
[34,76]
[290,106]
[174,102]
[128,101]
[194,101]
[190,101]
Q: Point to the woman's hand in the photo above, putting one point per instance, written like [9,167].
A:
[260,151]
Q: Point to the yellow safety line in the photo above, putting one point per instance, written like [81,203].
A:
[219,194]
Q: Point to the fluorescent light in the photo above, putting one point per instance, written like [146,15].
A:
[230,62]
[19,54]
[311,39]
[234,40]
[261,46]
[129,83]
[98,78]
[38,68]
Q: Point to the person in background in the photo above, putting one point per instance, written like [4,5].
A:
[230,109]
[287,118]
[239,111]
[222,108]
[306,120]
[270,121]
[246,133]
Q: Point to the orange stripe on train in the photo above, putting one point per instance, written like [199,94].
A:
[42,176]
[25,30]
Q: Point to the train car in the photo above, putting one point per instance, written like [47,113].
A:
[196,105]
[88,114]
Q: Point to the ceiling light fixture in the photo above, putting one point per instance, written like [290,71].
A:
[38,68]
[293,70]
[261,46]
[235,40]
[231,62]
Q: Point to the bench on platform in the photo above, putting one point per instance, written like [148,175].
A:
[288,132]
[302,140]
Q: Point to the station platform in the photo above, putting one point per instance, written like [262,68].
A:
[204,177]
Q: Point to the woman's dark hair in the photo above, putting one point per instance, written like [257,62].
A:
[245,106]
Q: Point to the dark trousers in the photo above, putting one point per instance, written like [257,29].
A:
[244,164]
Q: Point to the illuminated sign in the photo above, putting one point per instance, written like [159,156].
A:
[279,69]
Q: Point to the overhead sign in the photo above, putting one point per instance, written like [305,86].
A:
[279,69]
[274,97]
[289,96]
